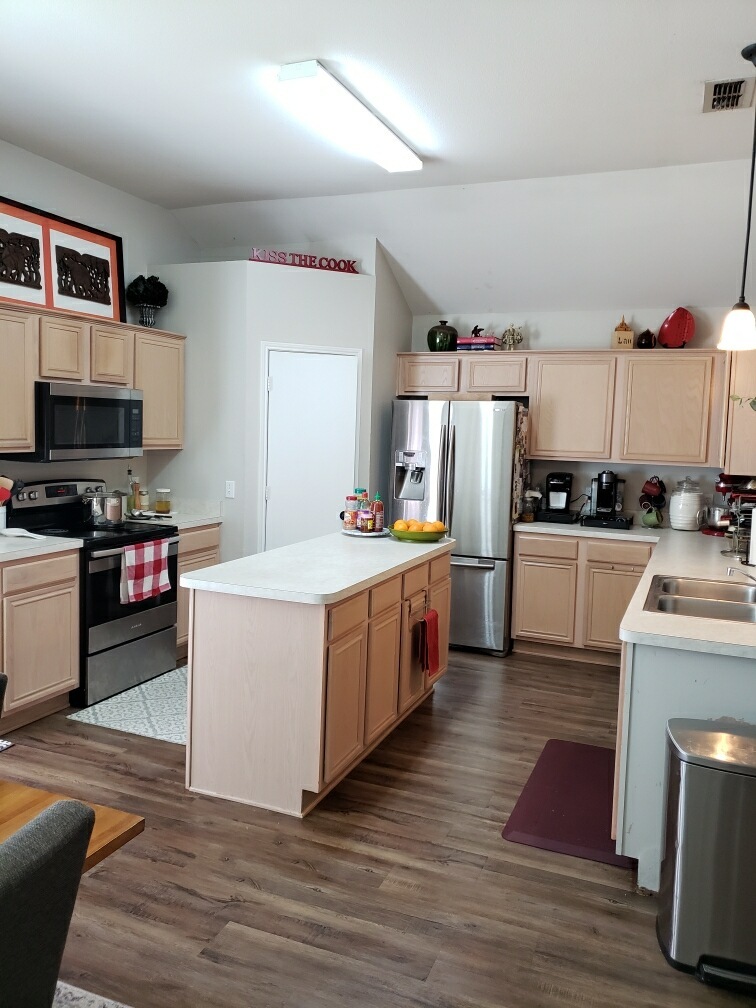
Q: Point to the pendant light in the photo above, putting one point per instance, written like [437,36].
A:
[739,329]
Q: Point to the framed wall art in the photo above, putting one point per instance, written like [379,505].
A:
[51,262]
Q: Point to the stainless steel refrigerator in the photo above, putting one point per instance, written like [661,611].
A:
[453,462]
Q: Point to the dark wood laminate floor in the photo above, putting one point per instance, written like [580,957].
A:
[397,891]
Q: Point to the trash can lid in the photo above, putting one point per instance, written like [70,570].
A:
[721,745]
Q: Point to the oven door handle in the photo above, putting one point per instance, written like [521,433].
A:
[115,552]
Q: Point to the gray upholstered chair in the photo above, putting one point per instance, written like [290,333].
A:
[40,869]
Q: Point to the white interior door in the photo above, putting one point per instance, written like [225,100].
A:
[311,437]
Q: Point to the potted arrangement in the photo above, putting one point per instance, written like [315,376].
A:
[148,294]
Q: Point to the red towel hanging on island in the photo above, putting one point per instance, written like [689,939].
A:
[429,643]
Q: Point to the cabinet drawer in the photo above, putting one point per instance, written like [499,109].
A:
[548,546]
[440,568]
[199,539]
[605,551]
[346,615]
[19,577]
[415,580]
[385,595]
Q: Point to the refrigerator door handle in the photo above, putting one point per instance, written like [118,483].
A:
[443,442]
[450,475]
[479,564]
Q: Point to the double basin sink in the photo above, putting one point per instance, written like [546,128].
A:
[722,600]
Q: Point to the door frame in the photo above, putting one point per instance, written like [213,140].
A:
[266,350]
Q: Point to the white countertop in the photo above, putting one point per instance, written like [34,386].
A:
[17,548]
[317,571]
[676,554]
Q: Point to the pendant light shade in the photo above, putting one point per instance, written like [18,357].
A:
[739,329]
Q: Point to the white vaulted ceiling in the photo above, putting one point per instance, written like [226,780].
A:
[166,99]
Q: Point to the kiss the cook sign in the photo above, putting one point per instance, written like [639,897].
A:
[307,261]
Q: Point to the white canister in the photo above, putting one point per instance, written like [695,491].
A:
[686,507]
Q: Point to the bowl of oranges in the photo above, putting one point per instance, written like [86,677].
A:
[417,531]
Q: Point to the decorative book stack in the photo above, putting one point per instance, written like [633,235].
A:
[485,342]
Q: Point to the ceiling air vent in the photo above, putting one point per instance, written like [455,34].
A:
[730,94]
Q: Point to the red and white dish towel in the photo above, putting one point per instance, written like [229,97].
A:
[429,643]
[144,570]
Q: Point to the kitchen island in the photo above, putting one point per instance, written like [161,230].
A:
[673,666]
[303,659]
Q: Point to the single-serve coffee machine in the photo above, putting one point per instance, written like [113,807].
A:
[557,499]
[607,498]
[606,492]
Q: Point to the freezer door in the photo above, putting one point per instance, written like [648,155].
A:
[480,591]
[418,459]
[481,450]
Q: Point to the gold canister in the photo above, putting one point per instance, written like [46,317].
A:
[162,501]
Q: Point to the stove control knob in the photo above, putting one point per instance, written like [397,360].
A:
[100,488]
[88,490]
[21,495]
[33,495]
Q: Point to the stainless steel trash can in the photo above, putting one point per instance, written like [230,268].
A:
[707,896]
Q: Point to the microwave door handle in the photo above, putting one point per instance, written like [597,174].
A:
[442,448]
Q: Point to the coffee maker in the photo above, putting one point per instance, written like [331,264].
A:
[607,493]
[557,499]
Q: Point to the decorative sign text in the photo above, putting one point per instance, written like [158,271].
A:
[307,261]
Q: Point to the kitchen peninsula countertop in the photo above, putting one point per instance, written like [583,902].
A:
[318,571]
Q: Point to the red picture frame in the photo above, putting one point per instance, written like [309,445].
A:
[51,262]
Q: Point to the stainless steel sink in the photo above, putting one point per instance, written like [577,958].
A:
[720,600]
[682,605]
[725,591]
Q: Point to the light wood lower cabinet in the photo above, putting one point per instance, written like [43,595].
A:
[301,693]
[197,548]
[573,591]
[40,629]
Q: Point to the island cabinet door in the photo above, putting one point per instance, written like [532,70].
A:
[411,673]
[439,599]
[381,690]
[344,702]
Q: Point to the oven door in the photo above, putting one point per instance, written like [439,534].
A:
[108,621]
[87,421]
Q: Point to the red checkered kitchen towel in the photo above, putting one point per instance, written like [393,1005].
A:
[144,570]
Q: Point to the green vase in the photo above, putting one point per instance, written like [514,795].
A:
[442,337]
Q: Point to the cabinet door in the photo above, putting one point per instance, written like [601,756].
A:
[571,406]
[667,401]
[381,689]
[112,356]
[741,427]
[545,593]
[61,349]
[432,372]
[439,598]
[495,372]
[191,562]
[345,702]
[412,680]
[159,372]
[608,590]
[38,664]
[18,355]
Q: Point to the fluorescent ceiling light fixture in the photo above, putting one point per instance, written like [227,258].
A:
[324,104]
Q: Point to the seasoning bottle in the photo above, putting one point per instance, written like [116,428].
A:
[365,521]
[132,499]
[350,513]
[144,499]
[377,508]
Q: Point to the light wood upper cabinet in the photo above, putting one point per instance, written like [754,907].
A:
[18,366]
[159,372]
[500,372]
[572,399]
[740,456]
[670,407]
[112,356]
[431,372]
[62,349]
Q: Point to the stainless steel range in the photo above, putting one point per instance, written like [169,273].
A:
[122,644]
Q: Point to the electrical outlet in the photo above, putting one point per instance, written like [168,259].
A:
[230,488]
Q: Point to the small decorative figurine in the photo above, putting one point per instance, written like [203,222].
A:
[677,329]
[512,337]
[476,331]
[646,340]
[623,336]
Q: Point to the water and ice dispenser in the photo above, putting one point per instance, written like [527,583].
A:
[409,475]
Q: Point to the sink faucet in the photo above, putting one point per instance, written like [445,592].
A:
[737,570]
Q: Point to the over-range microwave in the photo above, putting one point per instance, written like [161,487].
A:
[84,422]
